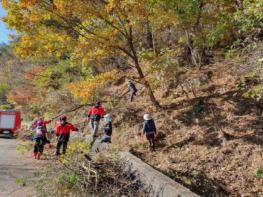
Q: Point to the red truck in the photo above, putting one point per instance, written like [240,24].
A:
[10,122]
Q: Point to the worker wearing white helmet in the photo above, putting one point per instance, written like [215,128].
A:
[149,129]
[107,129]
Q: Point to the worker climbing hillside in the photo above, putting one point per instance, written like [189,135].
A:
[34,124]
[39,142]
[95,114]
[107,129]
[63,134]
[149,129]
[132,89]
[40,122]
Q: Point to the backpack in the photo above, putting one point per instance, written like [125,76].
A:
[133,88]
[149,126]
[96,117]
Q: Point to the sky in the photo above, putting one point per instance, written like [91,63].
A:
[4,31]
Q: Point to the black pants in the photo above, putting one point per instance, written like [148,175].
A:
[39,146]
[62,141]
[150,137]
[46,141]
[64,147]
[133,94]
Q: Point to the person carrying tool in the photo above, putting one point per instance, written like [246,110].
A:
[95,114]
[43,124]
[57,124]
[132,89]
[63,134]
[149,129]
[39,142]
[107,129]
[34,124]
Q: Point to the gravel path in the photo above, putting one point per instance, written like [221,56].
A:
[17,171]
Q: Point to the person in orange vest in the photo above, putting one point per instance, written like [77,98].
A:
[63,134]
[95,114]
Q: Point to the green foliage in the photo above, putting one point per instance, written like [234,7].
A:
[21,182]
[163,68]
[67,180]
[4,87]
[259,173]
[186,10]
[154,36]
[76,176]
[76,147]
[254,93]
[252,87]
[251,16]
[146,54]
[65,177]
[56,76]
[6,107]
[24,147]
[223,30]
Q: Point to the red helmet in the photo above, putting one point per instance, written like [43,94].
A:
[98,104]
[63,118]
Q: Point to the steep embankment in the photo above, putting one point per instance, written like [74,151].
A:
[209,134]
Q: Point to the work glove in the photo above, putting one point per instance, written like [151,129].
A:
[52,131]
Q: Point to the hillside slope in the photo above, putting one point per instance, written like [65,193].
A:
[191,148]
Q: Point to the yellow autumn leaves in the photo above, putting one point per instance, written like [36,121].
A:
[85,90]
[23,3]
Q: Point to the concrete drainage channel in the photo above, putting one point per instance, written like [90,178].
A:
[158,184]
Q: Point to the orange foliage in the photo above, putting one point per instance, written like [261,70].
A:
[85,90]
[28,3]
[21,95]
[30,74]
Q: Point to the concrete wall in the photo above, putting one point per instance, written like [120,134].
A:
[158,184]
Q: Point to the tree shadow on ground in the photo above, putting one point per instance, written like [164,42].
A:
[207,112]
[129,116]
[200,183]
[180,144]
[160,140]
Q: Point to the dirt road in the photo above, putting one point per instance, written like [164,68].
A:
[17,172]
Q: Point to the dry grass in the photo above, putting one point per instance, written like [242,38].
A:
[190,147]
[76,175]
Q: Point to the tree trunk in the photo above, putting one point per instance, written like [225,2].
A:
[192,50]
[146,84]
[239,4]
[139,70]
[149,36]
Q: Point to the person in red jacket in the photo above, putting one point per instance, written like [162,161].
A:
[95,114]
[63,134]
[57,124]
